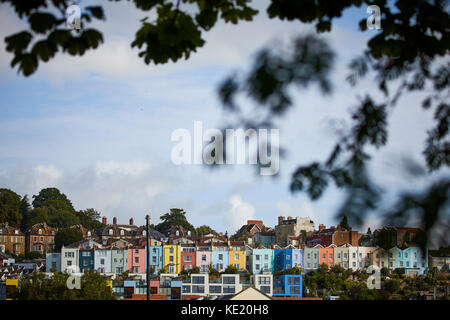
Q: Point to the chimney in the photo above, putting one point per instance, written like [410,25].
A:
[131,221]
[289,218]
[104,220]
[280,219]
[114,220]
[321,227]
[339,228]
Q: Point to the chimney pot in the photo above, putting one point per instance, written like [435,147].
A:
[280,219]
[104,220]
[114,220]
[131,221]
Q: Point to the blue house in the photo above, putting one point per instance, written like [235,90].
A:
[219,258]
[261,260]
[412,260]
[285,259]
[53,261]
[86,260]
[156,258]
[288,285]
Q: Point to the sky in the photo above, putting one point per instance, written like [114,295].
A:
[99,127]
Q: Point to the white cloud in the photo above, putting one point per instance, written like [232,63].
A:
[46,176]
[238,214]
[133,168]
[296,208]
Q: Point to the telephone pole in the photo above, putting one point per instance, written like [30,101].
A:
[147,233]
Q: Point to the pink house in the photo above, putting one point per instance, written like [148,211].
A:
[136,260]
[204,257]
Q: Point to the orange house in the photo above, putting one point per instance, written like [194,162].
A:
[326,255]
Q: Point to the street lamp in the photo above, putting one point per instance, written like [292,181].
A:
[147,233]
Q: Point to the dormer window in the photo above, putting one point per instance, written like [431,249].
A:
[53,232]
[122,232]
[40,231]
[110,232]
[16,231]
[144,233]
[89,233]
[189,233]
[177,233]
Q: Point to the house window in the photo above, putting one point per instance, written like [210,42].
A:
[122,232]
[257,257]
[345,256]
[154,259]
[220,256]
[331,256]
[354,255]
[171,258]
[203,257]
[69,262]
[102,261]
[324,256]
[406,255]
[110,232]
[136,259]
[236,256]
[257,267]
[170,250]
[187,258]
[39,231]
[136,251]
[237,266]
[89,233]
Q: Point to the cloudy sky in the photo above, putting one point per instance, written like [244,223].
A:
[98,127]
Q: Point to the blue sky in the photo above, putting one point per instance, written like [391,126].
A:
[98,127]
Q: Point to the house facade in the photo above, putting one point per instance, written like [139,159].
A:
[172,258]
[11,239]
[261,260]
[102,260]
[40,238]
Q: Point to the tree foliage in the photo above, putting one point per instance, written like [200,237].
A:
[36,287]
[10,205]
[67,236]
[175,217]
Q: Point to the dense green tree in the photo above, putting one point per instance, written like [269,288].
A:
[212,271]
[231,270]
[10,207]
[89,218]
[25,209]
[36,287]
[176,217]
[52,197]
[204,230]
[344,223]
[67,236]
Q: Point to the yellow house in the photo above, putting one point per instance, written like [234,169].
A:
[11,287]
[237,256]
[172,257]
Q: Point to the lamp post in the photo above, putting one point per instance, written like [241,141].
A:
[147,233]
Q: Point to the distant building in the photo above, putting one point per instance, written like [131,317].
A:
[40,238]
[333,235]
[291,227]
[11,239]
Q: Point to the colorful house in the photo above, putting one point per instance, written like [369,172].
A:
[70,259]
[86,259]
[172,258]
[188,257]
[102,260]
[261,260]
[220,256]
[326,256]
[311,258]
[341,256]
[413,260]
[136,259]
[119,260]
[53,261]
[156,258]
[236,256]
[288,285]
[204,256]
